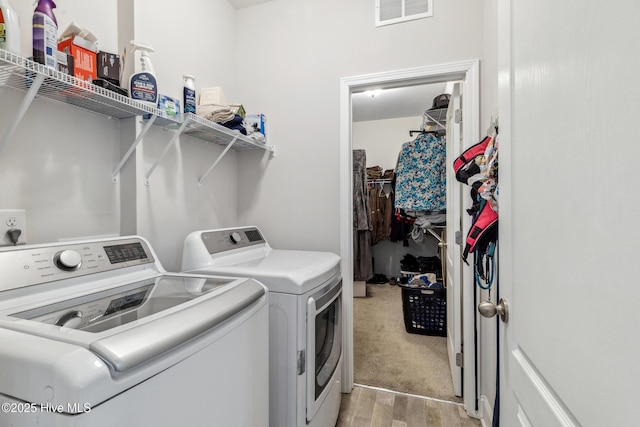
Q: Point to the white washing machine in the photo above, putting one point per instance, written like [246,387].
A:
[305,318]
[97,334]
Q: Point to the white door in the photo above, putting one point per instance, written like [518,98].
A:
[452,264]
[569,103]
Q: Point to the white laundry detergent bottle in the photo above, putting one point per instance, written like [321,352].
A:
[143,86]
[9,28]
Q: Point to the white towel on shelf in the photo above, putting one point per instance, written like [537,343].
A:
[216,113]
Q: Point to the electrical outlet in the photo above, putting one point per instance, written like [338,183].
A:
[11,219]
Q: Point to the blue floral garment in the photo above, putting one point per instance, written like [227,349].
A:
[421,174]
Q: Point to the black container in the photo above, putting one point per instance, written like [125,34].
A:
[425,310]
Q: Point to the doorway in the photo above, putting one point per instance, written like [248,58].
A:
[468,74]
[384,124]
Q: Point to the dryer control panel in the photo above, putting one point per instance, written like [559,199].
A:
[232,238]
[23,266]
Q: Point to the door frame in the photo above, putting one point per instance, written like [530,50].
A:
[452,254]
[469,73]
[507,410]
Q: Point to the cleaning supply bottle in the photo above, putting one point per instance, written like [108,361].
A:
[143,86]
[189,93]
[45,34]
[9,28]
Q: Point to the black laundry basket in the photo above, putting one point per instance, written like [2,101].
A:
[425,310]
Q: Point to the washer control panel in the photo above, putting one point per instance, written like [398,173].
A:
[225,240]
[68,260]
[31,265]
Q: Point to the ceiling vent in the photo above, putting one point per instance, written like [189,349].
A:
[394,11]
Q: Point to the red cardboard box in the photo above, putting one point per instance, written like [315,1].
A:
[84,60]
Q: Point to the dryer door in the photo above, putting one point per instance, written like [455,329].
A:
[324,344]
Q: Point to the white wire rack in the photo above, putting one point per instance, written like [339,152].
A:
[36,80]
[435,120]
[21,74]
[204,129]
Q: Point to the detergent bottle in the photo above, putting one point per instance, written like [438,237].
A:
[189,93]
[9,28]
[143,86]
[45,34]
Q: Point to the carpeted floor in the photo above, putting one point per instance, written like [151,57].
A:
[386,356]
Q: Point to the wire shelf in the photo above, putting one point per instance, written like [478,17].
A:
[435,119]
[36,80]
[19,73]
[204,129]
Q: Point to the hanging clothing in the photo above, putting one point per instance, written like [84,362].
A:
[378,201]
[388,216]
[362,227]
[421,175]
[399,225]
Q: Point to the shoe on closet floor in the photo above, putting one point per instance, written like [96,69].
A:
[378,279]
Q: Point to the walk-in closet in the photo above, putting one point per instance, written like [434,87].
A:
[400,323]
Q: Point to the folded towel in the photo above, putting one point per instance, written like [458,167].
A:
[216,113]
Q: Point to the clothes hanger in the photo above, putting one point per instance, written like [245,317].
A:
[423,132]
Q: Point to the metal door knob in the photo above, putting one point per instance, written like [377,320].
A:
[488,309]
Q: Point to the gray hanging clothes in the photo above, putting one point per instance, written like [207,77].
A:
[362,227]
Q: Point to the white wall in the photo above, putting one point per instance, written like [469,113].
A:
[291,55]
[190,37]
[58,167]
[382,139]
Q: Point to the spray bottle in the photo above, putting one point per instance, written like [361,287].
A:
[143,86]
[45,34]
[9,28]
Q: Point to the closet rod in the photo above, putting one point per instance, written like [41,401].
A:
[378,181]
[411,132]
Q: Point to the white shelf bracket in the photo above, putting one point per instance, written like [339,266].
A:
[116,171]
[165,151]
[22,110]
[226,150]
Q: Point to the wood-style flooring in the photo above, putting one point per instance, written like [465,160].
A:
[366,406]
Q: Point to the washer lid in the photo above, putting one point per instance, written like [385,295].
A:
[131,324]
[90,365]
[284,271]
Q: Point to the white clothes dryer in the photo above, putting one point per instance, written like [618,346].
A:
[305,318]
[97,334]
